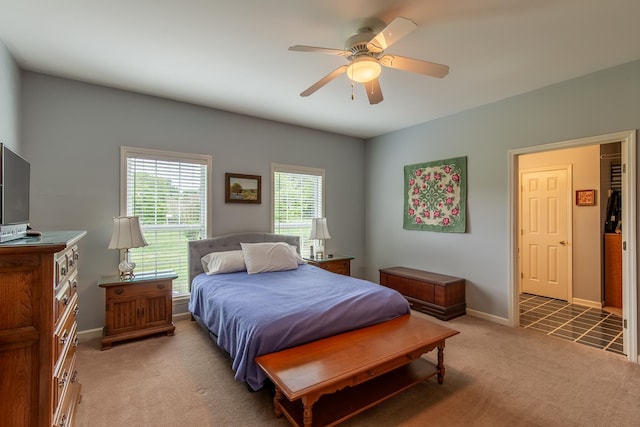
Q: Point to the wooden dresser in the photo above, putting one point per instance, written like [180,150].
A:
[38,333]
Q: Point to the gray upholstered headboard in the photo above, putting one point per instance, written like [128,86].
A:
[230,242]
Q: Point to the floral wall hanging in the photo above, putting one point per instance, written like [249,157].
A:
[435,196]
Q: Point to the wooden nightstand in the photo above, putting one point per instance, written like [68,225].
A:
[337,264]
[137,307]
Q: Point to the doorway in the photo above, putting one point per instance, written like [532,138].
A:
[629,266]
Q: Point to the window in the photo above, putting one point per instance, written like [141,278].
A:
[168,191]
[298,197]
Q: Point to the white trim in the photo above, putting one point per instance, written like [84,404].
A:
[490,317]
[182,316]
[629,256]
[89,334]
[587,303]
[629,218]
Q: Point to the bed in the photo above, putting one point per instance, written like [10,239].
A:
[249,315]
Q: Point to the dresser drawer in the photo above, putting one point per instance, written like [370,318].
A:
[63,296]
[65,334]
[63,378]
[68,397]
[66,263]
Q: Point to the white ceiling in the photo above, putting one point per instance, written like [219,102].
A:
[232,54]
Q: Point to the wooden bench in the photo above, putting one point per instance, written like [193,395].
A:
[431,293]
[328,381]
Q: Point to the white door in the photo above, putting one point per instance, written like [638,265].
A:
[545,255]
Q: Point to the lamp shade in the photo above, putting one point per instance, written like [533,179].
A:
[126,233]
[364,69]
[319,229]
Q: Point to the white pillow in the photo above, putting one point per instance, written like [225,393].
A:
[223,262]
[271,256]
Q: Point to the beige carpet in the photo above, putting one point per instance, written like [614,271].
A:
[496,376]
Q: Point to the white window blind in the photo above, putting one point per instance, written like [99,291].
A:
[298,197]
[168,191]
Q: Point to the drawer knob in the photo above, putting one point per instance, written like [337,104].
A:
[63,271]
[75,284]
[119,291]
[160,286]
[65,300]
[63,380]
[64,337]
[74,377]
[76,341]
[75,310]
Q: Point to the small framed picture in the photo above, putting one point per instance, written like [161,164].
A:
[585,197]
[241,188]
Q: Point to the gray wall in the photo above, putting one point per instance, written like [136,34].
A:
[72,133]
[9,100]
[596,104]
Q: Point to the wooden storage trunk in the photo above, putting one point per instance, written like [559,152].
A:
[435,294]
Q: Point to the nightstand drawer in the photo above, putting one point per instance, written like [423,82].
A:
[337,264]
[342,266]
[137,289]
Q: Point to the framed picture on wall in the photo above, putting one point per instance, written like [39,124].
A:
[585,197]
[241,188]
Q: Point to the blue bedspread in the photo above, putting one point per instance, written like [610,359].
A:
[255,314]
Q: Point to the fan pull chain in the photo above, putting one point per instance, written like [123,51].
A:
[353,95]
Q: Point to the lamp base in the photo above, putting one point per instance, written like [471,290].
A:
[318,250]
[126,270]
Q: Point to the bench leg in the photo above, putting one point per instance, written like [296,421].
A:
[307,415]
[276,403]
[440,366]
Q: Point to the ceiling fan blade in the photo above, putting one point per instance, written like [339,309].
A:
[373,91]
[323,81]
[397,29]
[314,49]
[415,65]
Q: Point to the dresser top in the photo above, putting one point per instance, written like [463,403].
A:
[48,238]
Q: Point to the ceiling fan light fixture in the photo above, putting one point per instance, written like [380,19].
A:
[364,69]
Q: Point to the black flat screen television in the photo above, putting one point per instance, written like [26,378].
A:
[15,175]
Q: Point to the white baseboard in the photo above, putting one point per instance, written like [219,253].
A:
[90,334]
[490,317]
[586,303]
[182,316]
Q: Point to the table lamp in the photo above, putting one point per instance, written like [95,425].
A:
[126,235]
[319,232]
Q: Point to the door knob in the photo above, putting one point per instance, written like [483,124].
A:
[563,242]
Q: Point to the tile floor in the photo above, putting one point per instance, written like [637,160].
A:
[584,325]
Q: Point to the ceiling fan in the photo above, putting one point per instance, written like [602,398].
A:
[365,53]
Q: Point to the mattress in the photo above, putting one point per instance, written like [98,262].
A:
[255,314]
